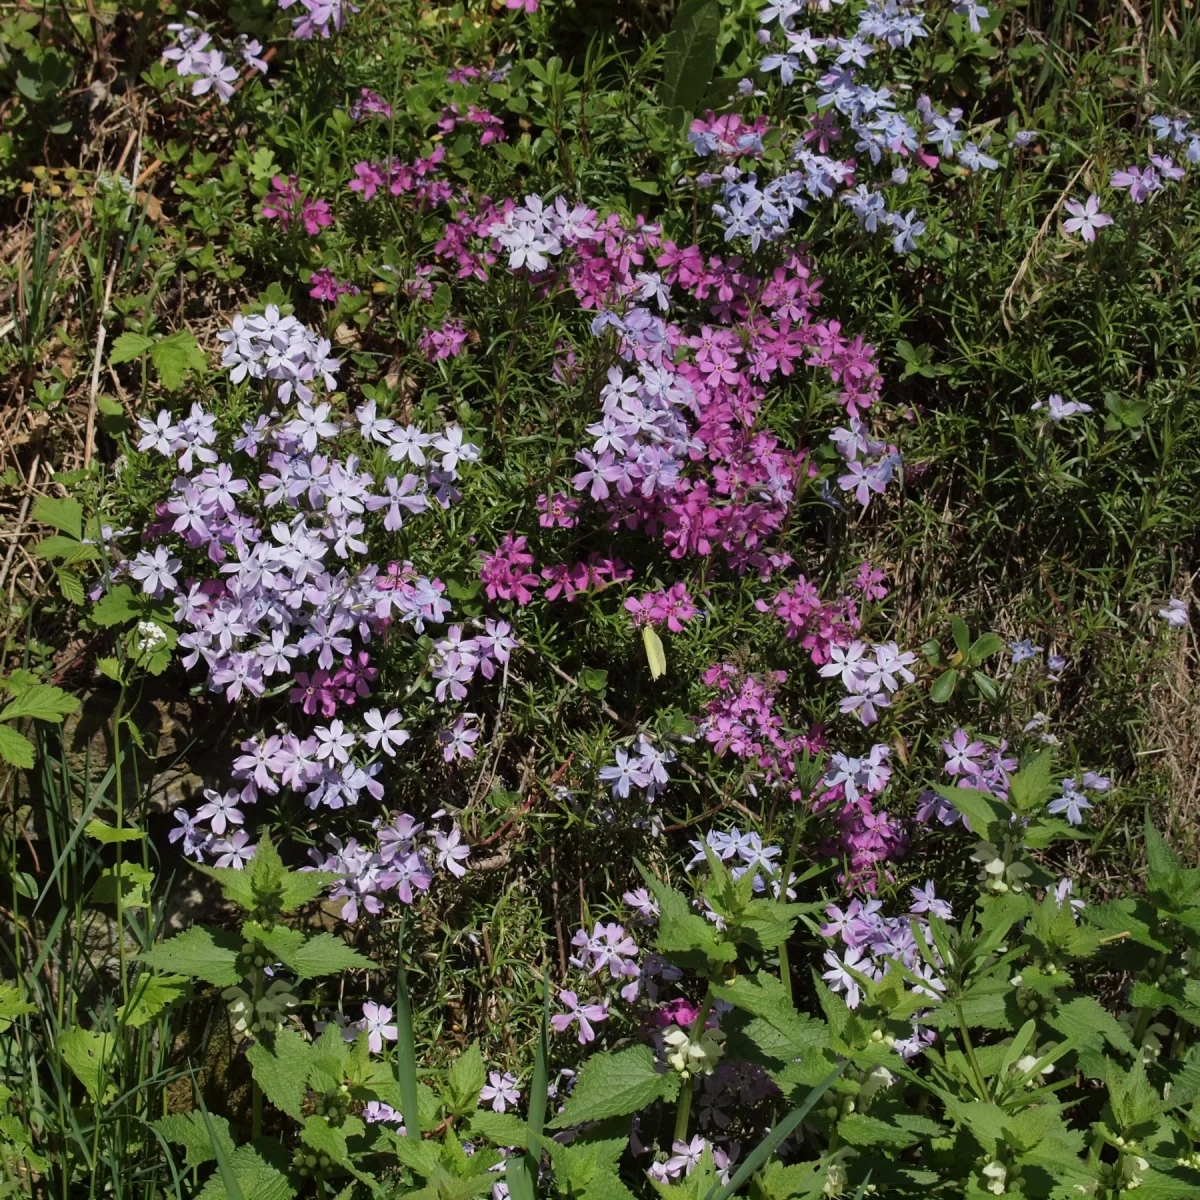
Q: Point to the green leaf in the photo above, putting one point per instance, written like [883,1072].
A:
[128,879]
[860,1129]
[11,1004]
[613,1085]
[655,654]
[984,646]
[325,1139]
[980,808]
[128,347]
[115,607]
[328,955]
[501,1129]
[175,356]
[57,546]
[15,748]
[107,835]
[1031,787]
[763,996]
[466,1077]
[70,585]
[41,701]
[302,887]
[65,515]
[691,54]
[208,954]
[962,635]
[152,994]
[89,1055]
[987,688]
[281,1070]
[235,885]
[943,686]
[190,1131]
[252,1176]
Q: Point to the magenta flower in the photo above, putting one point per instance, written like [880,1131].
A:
[529,6]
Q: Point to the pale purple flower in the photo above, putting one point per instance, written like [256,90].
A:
[375,1024]
[501,1090]
[1175,614]
[451,855]
[1086,218]
[585,1014]
[235,851]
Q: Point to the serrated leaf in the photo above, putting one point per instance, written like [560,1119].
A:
[1031,786]
[501,1129]
[89,1055]
[57,546]
[466,1077]
[328,955]
[190,1131]
[691,54]
[130,880]
[151,995]
[129,346]
[980,808]
[861,1129]
[302,887]
[204,953]
[326,1139]
[115,607]
[15,748]
[107,835]
[43,702]
[64,514]
[70,585]
[175,356]
[235,885]
[282,1070]
[252,1175]
[612,1085]
[11,1004]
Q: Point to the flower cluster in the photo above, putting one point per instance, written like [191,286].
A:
[287,203]
[416,179]
[319,18]
[670,607]
[198,58]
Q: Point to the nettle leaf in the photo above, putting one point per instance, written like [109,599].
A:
[107,835]
[153,994]
[235,885]
[465,1079]
[43,702]
[15,748]
[326,1139]
[90,1056]
[684,937]
[282,1068]
[691,54]
[1031,787]
[302,887]
[614,1085]
[63,514]
[328,955]
[175,356]
[254,1177]
[981,809]
[204,953]
[501,1129]
[788,1034]
[190,1131]
[860,1129]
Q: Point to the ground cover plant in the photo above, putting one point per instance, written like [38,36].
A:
[597,600]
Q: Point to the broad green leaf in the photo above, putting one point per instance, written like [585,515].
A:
[107,835]
[1031,787]
[128,347]
[130,880]
[282,1069]
[151,995]
[943,686]
[501,1129]
[861,1129]
[466,1077]
[326,1139]
[15,748]
[980,808]
[764,997]
[962,635]
[42,702]
[613,1085]
[253,1176]
[115,607]
[70,585]
[325,954]
[64,514]
[691,54]
[204,953]
[190,1131]
[89,1055]
[984,646]
[11,1005]
[57,546]
[175,356]
[655,654]
[302,887]
[235,885]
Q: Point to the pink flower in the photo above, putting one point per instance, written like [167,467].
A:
[530,6]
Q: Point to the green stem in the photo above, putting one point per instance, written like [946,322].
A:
[969,1050]
[785,970]
[684,1111]
[256,1099]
